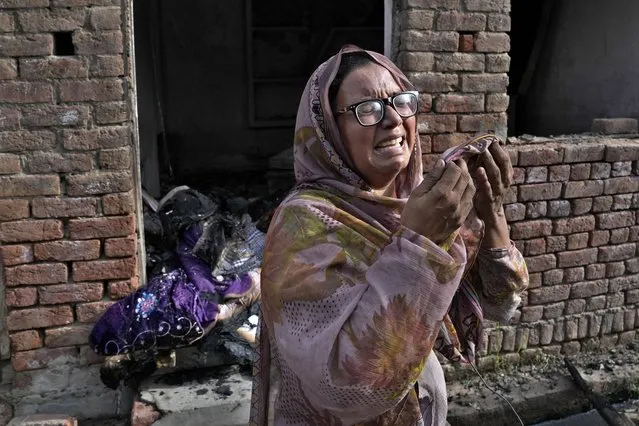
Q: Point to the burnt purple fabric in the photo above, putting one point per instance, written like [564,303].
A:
[172,310]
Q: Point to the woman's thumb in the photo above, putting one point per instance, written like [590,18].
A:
[432,177]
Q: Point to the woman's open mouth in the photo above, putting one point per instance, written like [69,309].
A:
[391,146]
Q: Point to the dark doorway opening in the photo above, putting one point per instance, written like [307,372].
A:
[218,82]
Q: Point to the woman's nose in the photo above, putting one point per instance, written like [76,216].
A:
[391,118]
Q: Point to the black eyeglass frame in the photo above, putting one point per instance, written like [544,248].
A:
[385,101]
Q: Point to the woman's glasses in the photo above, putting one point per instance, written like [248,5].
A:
[372,111]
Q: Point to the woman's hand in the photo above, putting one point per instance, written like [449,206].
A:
[439,206]
[493,178]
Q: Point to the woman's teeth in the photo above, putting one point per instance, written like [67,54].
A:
[392,142]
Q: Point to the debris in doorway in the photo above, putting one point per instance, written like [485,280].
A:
[204,255]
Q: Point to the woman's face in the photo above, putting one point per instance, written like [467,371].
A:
[381,151]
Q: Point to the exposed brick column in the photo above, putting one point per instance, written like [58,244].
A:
[456,53]
[67,163]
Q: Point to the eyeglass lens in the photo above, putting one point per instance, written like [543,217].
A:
[372,112]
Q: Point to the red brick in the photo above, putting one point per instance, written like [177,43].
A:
[120,289]
[98,43]
[14,209]
[531,229]
[580,171]
[25,340]
[455,103]
[28,186]
[102,227]
[466,43]
[19,92]
[65,251]
[497,102]
[106,18]
[615,269]
[26,141]
[628,184]
[21,297]
[91,312]
[583,153]
[104,269]
[617,253]
[40,358]
[25,319]
[578,241]
[482,122]
[91,90]
[572,275]
[532,313]
[541,263]
[536,209]
[26,45]
[30,231]
[115,112]
[426,144]
[70,293]
[45,420]
[540,191]
[453,62]
[99,183]
[581,206]
[602,204]
[119,204]
[53,162]
[570,259]
[107,66]
[492,42]
[7,23]
[429,41]
[15,255]
[416,61]
[515,212]
[634,233]
[485,83]
[488,5]
[499,62]
[22,4]
[622,201]
[581,189]
[73,335]
[535,247]
[553,277]
[615,220]
[10,164]
[425,103]
[436,123]
[629,152]
[544,295]
[574,225]
[82,3]
[588,289]
[596,271]
[54,115]
[64,207]
[540,156]
[498,22]
[442,142]
[120,247]
[459,21]
[559,208]
[51,20]
[115,159]
[11,121]
[42,273]
[8,68]
[599,238]
[102,138]
[430,82]
[53,67]
[621,168]
[619,236]
[600,171]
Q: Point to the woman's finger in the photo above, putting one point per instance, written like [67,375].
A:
[464,178]
[449,179]
[483,185]
[466,204]
[502,159]
[493,173]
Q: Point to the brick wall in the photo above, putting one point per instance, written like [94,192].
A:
[67,194]
[574,213]
[456,54]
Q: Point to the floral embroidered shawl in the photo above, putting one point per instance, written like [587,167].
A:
[353,303]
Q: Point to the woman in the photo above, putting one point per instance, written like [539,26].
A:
[367,267]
